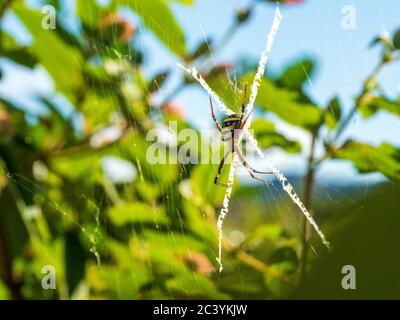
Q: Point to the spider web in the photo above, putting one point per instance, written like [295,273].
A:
[249,108]
[168,198]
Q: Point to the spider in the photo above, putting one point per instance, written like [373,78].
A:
[230,132]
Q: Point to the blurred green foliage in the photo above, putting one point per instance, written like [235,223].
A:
[155,236]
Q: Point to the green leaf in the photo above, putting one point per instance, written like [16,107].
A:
[49,253]
[375,104]
[21,56]
[8,42]
[288,105]
[148,191]
[384,158]
[268,231]
[118,283]
[296,74]
[186,2]
[97,109]
[291,106]
[283,261]
[61,60]
[396,39]
[286,256]
[11,50]
[202,182]
[4,291]
[195,286]
[166,251]
[202,48]
[264,132]
[387,43]
[332,113]
[194,215]
[89,12]
[159,19]
[173,242]
[82,168]
[136,212]
[157,81]
[242,15]
[135,148]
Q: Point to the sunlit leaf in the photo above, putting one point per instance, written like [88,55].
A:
[61,60]
[90,12]
[268,231]
[83,168]
[366,158]
[148,191]
[165,251]
[396,40]
[11,50]
[22,57]
[266,135]
[136,212]
[118,283]
[197,223]
[195,286]
[4,292]
[201,49]
[136,149]
[332,113]
[202,182]
[376,104]
[157,81]
[158,18]
[187,2]
[288,105]
[294,76]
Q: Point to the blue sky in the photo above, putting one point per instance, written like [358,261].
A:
[312,29]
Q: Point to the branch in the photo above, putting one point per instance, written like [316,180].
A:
[369,83]
[256,264]
[309,183]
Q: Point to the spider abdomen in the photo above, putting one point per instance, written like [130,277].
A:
[229,125]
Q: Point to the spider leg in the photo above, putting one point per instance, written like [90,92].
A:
[250,169]
[243,105]
[221,165]
[247,118]
[214,116]
[244,98]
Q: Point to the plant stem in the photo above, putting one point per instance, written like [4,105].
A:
[254,263]
[369,83]
[308,190]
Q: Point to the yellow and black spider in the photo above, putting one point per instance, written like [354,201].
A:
[230,132]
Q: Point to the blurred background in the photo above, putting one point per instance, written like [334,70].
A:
[83,82]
